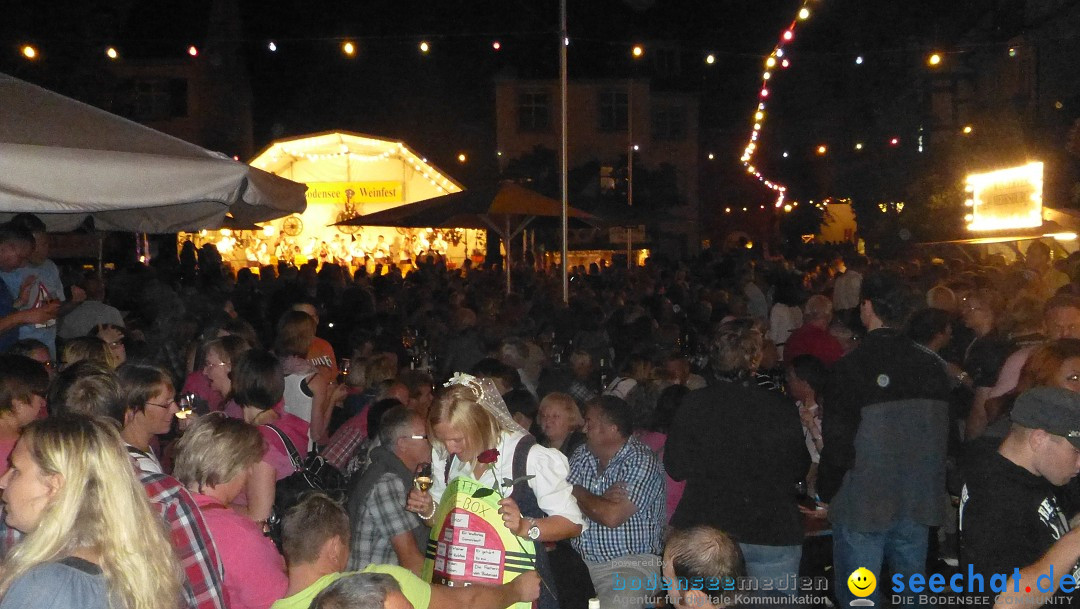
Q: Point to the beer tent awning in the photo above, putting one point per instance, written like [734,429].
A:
[65,161]
[490,207]
[506,208]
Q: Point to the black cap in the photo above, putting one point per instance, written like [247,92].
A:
[1051,409]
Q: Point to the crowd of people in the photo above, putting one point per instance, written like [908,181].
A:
[680,420]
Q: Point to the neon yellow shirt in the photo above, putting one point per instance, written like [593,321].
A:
[415,589]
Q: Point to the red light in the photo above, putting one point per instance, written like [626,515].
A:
[895,141]
[764,92]
[788,35]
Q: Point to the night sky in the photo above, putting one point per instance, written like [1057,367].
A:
[443,102]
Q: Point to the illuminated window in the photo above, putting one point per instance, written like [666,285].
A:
[612,110]
[534,111]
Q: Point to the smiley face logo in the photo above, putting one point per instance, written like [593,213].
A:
[862,582]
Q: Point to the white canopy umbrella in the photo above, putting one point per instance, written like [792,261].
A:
[65,160]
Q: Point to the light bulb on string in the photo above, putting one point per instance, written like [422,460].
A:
[637,51]
[193,51]
[496,45]
[859,60]
[804,13]
[785,63]
[710,59]
[112,53]
[934,60]
[29,51]
[348,48]
[788,35]
[770,62]
[424,46]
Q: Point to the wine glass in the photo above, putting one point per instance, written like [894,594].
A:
[422,477]
[187,404]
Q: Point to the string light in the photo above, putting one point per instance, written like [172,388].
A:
[496,45]
[112,53]
[968,129]
[775,57]
[424,46]
[193,51]
[29,52]
[821,150]
[710,59]
[934,60]
[637,51]
[859,60]
[272,46]
[348,48]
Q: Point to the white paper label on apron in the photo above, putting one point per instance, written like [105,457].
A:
[472,538]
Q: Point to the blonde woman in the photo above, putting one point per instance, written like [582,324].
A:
[92,540]
[468,423]
[560,420]
[215,458]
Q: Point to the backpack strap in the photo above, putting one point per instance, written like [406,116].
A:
[446,472]
[521,457]
[297,462]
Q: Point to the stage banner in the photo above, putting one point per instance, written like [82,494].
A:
[469,543]
[355,192]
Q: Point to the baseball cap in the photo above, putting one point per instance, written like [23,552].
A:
[1051,409]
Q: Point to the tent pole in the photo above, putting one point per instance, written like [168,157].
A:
[506,258]
[563,41]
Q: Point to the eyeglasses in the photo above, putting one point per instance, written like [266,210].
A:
[166,405]
[423,437]
[209,366]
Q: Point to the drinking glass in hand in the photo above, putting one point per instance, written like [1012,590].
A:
[422,477]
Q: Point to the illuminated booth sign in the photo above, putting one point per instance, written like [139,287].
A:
[1005,199]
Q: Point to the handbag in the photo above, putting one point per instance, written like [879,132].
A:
[311,475]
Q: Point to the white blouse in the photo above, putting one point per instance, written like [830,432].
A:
[548,466]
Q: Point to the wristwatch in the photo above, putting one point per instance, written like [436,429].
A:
[534,530]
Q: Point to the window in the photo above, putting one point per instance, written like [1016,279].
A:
[613,110]
[668,123]
[154,99]
[534,111]
[666,61]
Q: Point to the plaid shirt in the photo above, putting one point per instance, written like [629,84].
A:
[636,465]
[382,516]
[346,440]
[203,574]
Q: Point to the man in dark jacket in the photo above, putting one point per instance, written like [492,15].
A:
[384,532]
[885,428]
[740,449]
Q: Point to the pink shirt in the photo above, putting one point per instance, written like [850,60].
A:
[197,383]
[276,454]
[6,446]
[1010,371]
[655,440]
[254,571]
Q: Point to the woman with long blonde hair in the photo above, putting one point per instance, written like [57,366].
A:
[92,540]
